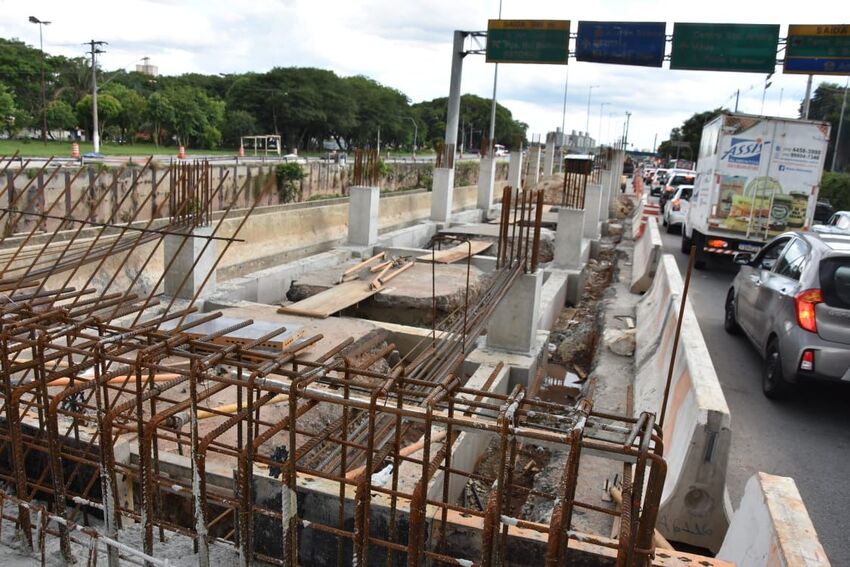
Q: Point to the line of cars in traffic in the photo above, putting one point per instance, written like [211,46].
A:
[791,298]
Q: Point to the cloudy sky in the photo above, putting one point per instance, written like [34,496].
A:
[407,44]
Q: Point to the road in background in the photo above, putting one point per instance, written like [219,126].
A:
[806,437]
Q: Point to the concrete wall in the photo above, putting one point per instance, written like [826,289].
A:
[697,427]
[772,528]
[645,259]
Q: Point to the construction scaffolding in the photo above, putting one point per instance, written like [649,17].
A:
[111,412]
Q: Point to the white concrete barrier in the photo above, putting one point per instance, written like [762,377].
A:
[645,258]
[638,219]
[772,528]
[694,504]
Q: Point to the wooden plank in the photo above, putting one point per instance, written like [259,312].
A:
[459,252]
[328,302]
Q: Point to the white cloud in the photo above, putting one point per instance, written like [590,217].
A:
[407,44]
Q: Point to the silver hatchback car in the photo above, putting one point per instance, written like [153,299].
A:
[793,302]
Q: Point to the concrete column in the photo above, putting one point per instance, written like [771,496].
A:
[185,254]
[533,165]
[515,170]
[443,183]
[604,205]
[442,194]
[513,326]
[486,183]
[592,201]
[363,216]
[568,238]
[549,158]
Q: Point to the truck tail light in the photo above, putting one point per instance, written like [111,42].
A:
[805,302]
[807,361]
[717,243]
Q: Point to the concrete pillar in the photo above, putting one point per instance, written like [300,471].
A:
[533,165]
[515,170]
[486,183]
[443,183]
[568,238]
[549,157]
[604,206]
[513,326]
[363,216]
[592,201]
[442,194]
[185,256]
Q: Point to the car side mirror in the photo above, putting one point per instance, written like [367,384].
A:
[742,258]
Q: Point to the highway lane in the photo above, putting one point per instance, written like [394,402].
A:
[806,437]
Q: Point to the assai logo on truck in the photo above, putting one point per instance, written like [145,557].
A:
[744,152]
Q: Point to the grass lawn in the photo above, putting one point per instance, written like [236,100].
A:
[34,148]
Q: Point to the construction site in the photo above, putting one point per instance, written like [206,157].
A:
[464,376]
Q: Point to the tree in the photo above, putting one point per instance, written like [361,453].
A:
[129,119]
[238,123]
[197,117]
[9,112]
[826,105]
[690,133]
[474,116]
[108,110]
[60,114]
[159,115]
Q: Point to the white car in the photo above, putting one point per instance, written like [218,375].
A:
[676,209]
[838,223]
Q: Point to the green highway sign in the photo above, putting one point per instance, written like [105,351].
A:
[528,41]
[749,48]
[818,50]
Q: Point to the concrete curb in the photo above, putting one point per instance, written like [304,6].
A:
[772,527]
[697,428]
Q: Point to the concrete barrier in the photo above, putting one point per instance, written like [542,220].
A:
[694,504]
[772,527]
[646,256]
[638,219]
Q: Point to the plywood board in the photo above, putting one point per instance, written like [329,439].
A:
[459,252]
[331,300]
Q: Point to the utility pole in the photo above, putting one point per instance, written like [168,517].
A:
[493,102]
[737,96]
[654,142]
[41,24]
[840,125]
[601,106]
[94,51]
[626,133]
[808,98]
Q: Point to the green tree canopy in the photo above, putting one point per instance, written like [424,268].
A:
[689,132]
[826,105]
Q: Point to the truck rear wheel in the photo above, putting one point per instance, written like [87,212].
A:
[700,259]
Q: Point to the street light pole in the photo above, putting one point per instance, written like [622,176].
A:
[626,133]
[601,107]
[415,132]
[94,50]
[589,92]
[493,102]
[41,24]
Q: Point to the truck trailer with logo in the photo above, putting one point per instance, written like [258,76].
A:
[757,177]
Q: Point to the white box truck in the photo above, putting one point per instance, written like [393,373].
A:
[757,177]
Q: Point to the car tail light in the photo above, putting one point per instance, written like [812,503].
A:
[717,243]
[805,302]
[807,361]
[676,204]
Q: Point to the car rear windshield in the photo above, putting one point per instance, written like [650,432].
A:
[682,180]
[835,282]
[686,194]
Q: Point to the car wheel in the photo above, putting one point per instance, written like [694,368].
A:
[670,228]
[664,222]
[730,321]
[773,383]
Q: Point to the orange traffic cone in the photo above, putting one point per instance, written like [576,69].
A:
[181,153]
[75,150]
[241,151]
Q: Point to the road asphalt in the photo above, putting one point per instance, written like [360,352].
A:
[806,437]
